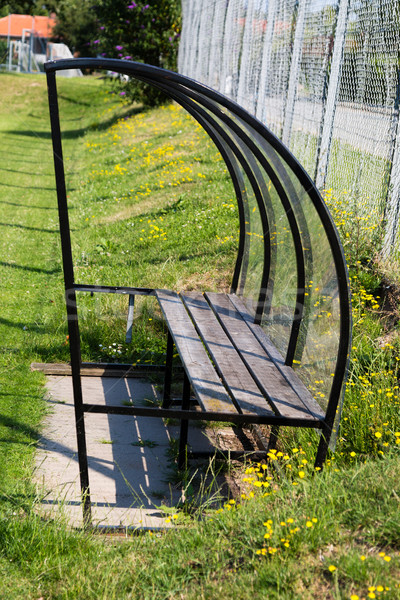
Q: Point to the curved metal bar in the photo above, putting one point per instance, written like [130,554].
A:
[155,75]
[301,318]
[160,78]
[255,178]
[268,279]
[231,163]
[261,192]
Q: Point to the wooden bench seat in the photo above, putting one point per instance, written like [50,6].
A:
[236,373]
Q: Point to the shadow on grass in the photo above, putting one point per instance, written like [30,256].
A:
[28,206]
[33,327]
[72,134]
[31,269]
[15,425]
[19,226]
[29,187]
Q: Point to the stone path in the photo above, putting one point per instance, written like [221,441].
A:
[128,456]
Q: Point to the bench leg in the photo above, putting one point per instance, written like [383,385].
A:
[166,401]
[322,448]
[273,438]
[184,424]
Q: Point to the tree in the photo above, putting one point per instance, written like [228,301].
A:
[28,7]
[76,26]
[142,31]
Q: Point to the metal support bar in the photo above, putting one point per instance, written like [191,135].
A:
[168,372]
[113,289]
[193,415]
[72,312]
[392,207]
[333,89]
[129,323]
[323,447]
[184,424]
[265,73]
[273,437]
[294,71]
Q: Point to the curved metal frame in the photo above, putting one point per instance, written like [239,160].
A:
[245,145]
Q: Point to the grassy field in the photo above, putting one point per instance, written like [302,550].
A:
[151,205]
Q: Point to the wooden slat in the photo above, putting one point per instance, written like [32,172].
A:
[205,382]
[268,377]
[98,370]
[232,370]
[294,380]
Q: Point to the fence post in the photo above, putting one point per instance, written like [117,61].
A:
[183,49]
[245,62]
[193,42]
[333,88]
[294,71]
[231,49]
[217,38]
[204,42]
[266,60]
[392,207]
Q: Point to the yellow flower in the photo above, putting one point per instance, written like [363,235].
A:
[354,597]
[331,568]
[378,434]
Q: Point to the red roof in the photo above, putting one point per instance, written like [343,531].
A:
[13,25]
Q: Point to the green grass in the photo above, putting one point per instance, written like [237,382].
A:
[330,536]
[151,205]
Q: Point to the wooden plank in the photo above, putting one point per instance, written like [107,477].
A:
[98,369]
[241,385]
[294,380]
[206,384]
[268,377]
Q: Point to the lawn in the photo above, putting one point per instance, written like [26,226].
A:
[151,205]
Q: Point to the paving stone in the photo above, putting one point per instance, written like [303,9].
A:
[128,481]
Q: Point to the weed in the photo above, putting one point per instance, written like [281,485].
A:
[145,444]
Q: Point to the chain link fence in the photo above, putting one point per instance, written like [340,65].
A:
[323,75]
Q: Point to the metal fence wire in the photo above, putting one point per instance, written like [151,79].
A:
[323,75]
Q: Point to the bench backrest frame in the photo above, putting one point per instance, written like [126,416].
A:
[236,134]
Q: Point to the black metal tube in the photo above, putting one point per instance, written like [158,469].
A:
[168,372]
[72,314]
[194,415]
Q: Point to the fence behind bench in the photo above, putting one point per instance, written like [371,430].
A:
[324,76]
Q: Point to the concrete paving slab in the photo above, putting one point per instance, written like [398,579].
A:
[128,456]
